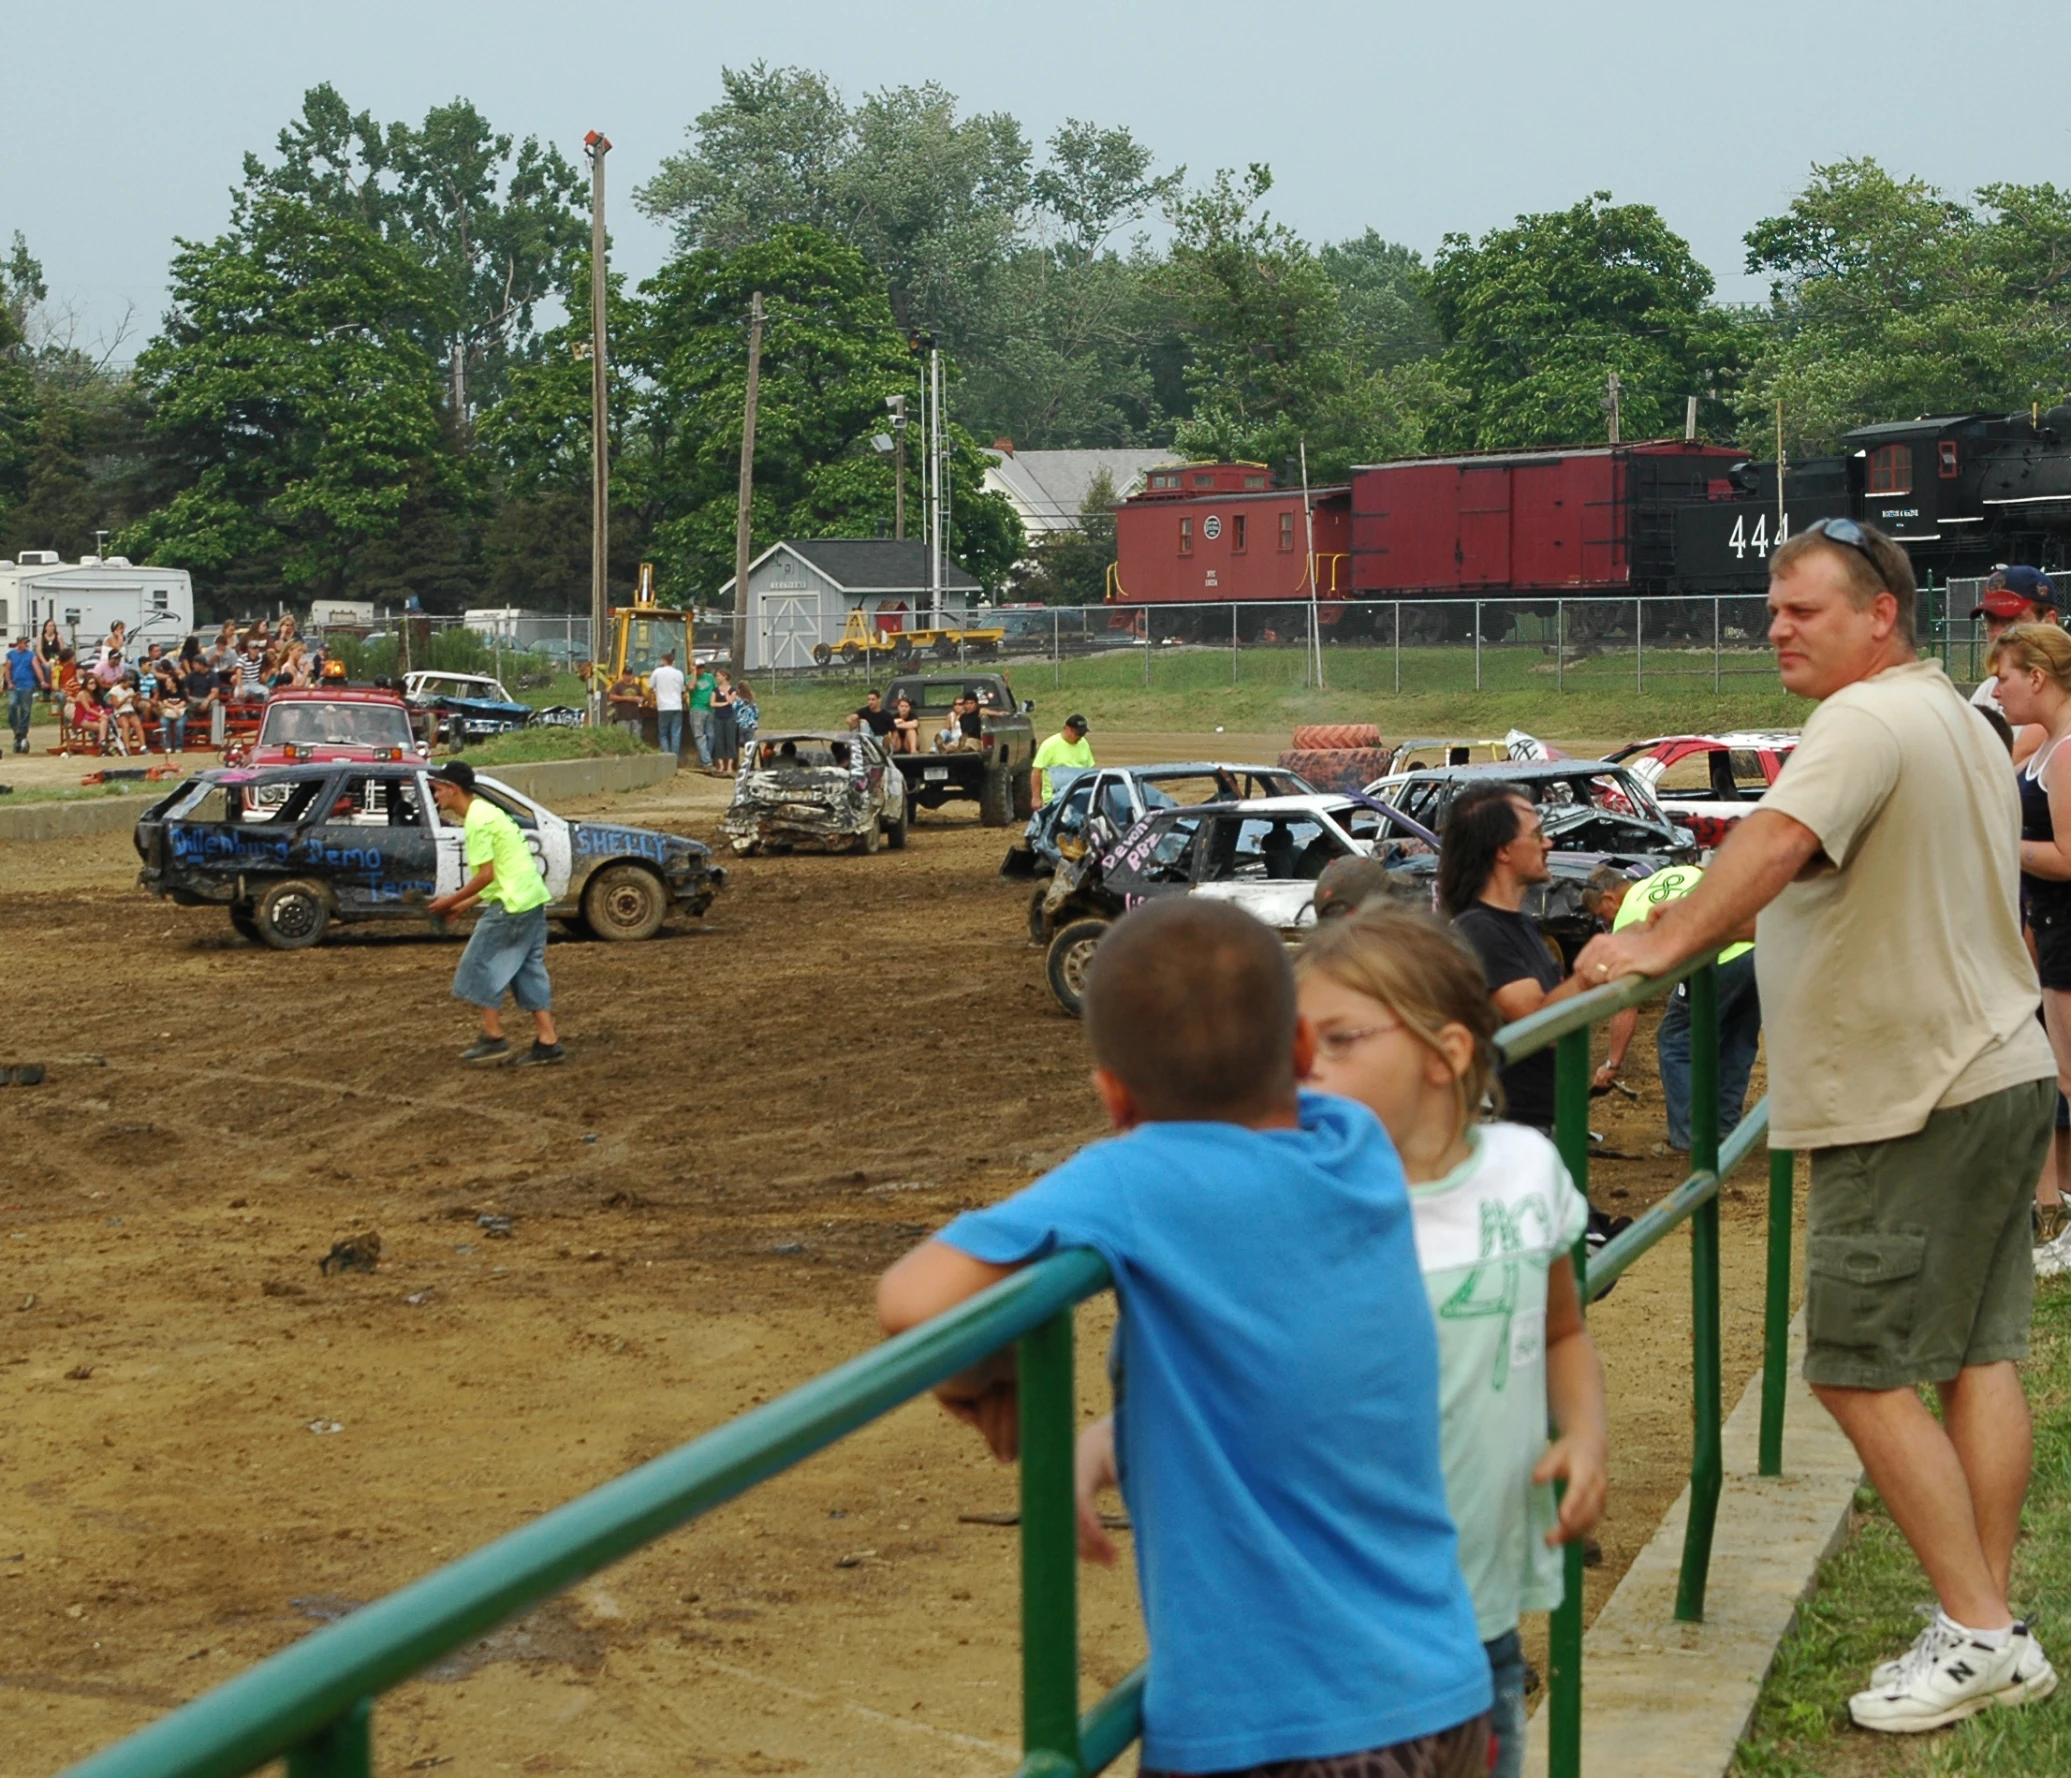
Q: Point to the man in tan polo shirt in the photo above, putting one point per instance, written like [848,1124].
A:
[1905,1056]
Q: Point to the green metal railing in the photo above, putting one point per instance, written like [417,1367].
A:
[312,1704]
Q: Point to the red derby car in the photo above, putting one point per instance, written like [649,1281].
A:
[1708,782]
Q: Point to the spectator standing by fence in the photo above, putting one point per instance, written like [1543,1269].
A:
[1620,902]
[1905,1056]
[726,744]
[702,687]
[23,678]
[2013,595]
[665,686]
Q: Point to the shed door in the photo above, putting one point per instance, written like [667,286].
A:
[1484,549]
[793,621]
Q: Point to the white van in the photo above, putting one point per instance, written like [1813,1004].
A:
[89,595]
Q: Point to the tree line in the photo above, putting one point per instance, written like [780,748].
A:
[374,381]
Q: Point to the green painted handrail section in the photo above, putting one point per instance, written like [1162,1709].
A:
[312,1704]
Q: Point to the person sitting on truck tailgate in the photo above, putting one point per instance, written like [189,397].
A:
[1068,747]
[970,723]
[873,716]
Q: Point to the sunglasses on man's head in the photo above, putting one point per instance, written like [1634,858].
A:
[1850,535]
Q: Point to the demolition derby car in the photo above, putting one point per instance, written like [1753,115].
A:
[465,706]
[1264,856]
[1708,783]
[1123,795]
[1591,807]
[289,849]
[811,790]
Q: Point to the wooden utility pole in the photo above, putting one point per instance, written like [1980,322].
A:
[596,146]
[743,514]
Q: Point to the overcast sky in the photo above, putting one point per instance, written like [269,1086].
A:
[124,122]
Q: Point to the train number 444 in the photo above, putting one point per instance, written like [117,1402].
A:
[1758,539]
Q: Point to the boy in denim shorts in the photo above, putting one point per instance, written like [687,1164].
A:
[1277,1423]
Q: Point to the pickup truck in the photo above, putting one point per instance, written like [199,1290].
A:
[997,774]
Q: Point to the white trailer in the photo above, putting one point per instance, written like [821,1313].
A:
[86,598]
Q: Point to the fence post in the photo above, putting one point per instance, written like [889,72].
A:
[1639,627]
[1398,645]
[1560,645]
[343,1749]
[1564,1631]
[1233,641]
[1049,1546]
[1477,645]
[1707,1464]
[1057,648]
[1715,635]
[1776,1312]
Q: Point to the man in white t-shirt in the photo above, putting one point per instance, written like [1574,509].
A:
[1905,1055]
[665,683]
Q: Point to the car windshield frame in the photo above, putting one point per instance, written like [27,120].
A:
[299,712]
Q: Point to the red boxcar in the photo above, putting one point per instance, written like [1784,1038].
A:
[1592,520]
[1221,531]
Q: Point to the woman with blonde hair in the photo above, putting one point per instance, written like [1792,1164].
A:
[2032,666]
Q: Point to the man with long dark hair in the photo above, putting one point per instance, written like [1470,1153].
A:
[1493,850]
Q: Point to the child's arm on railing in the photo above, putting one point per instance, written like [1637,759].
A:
[1580,1455]
[929,1281]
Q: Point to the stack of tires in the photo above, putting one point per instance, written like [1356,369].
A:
[1338,756]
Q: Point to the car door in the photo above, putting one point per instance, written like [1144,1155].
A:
[367,838]
[1269,866]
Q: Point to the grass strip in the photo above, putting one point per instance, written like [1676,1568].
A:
[1871,1600]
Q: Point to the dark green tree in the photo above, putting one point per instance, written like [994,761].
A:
[1537,316]
[1384,292]
[291,392]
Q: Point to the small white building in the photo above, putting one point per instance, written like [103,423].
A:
[1049,488]
[801,591]
[87,596]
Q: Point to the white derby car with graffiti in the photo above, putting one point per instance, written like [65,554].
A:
[288,850]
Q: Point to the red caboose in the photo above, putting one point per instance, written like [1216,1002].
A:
[1218,532]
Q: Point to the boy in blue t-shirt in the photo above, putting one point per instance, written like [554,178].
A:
[1277,1429]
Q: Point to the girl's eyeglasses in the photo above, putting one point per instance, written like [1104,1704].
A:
[1336,1044]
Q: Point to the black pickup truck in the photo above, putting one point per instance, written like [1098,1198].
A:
[996,773]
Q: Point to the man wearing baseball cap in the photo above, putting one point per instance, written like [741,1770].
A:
[2014,595]
[507,951]
[1069,747]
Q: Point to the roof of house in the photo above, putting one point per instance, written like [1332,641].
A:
[868,564]
[1049,488]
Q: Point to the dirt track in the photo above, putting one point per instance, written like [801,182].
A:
[760,1112]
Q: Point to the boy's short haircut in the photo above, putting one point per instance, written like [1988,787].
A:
[1190,1004]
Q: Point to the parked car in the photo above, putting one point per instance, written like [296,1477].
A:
[807,790]
[1708,783]
[1591,807]
[467,706]
[1125,794]
[288,850]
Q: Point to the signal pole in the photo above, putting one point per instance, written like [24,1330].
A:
[743,522]
[897,403]
[595,147]
[935,469]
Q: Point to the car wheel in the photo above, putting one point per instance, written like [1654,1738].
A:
[871,839]
[895,831]
[848,652]
[625,902]
[292,916]
[902,649]
[996,798]
[1037,925]
[1024,795]
[822,654]
[1070,957]
[246,927]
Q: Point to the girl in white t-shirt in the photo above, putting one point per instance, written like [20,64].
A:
[1403,1023]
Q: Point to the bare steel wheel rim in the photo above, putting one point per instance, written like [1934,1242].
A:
[625,904]
[294,916]
[1077,959]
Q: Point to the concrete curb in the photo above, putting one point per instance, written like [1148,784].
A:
[548,780]
[1667,1700]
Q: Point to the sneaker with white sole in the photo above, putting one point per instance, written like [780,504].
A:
[2053,1258]
[2033,1673]
[1938,1637]
[1942,1680]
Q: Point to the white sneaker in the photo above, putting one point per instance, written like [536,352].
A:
[2053,1258]
[2033,1673]
[1942,1680]
[1929,1645]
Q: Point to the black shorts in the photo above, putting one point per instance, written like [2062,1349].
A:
[2050,921]
[1461,1751]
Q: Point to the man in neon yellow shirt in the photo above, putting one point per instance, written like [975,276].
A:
[1620,902]
[508,949]
[1069,747]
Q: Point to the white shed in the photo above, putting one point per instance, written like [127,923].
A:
[801,591]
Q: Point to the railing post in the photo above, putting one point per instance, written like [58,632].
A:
[1707,1463]
[1564,1633]
[1776,1312]
[1398,644]
[1560,646]
[343,1750]
[1049,1546]
[1477,645]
